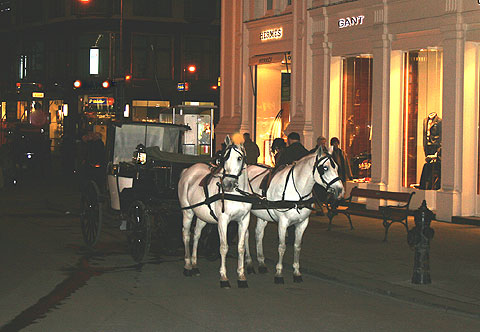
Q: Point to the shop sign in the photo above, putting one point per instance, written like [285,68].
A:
[183,86]
[350,21]
[97,101]
[271,34]
[38,94]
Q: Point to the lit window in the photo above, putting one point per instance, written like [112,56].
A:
[357,117]
[269,4]
[422,118]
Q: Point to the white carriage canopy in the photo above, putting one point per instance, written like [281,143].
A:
[127,136]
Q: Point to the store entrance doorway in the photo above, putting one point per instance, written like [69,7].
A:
[272,104]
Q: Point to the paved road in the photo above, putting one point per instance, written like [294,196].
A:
[50,282]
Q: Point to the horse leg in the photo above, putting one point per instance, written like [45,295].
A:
[282,230]
[222,232]
[187,223]
[198,231]
[242,238]
[248,258]
[259,232]
[299,230]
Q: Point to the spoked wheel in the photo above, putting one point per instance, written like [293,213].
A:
[138,231]
[91,214]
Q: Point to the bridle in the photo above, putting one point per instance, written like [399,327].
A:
[225,157]
[321,168]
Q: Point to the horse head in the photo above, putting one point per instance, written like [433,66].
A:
[233,163]
[325,173]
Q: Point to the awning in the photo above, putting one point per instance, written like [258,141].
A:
[269,58]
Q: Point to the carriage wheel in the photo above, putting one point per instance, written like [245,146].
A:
[138,230]
[91,214]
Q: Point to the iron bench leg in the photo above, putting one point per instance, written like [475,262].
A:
[386,224]
[349,220]
[330,215]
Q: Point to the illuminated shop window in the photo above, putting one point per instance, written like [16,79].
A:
[422,115]
[273,106]
[357,115]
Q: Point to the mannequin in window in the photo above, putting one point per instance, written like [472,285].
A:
[432,138]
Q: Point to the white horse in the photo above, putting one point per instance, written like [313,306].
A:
[192,194]
[292,183]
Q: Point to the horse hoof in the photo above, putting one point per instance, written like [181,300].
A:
[297,279]
[262,269]
[250,270]
[242,284]
[187,273]
[279,280]
[195,272]
[224,284]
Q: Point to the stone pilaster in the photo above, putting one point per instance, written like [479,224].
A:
[452,120]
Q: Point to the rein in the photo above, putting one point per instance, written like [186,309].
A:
[260,202]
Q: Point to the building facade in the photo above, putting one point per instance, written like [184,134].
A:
[398,82]
[120,52]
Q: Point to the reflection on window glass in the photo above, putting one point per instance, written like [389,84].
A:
[202,53]
[422,119]
[269,4]
[152,56]
[357,114]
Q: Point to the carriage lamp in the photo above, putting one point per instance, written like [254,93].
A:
[140,155]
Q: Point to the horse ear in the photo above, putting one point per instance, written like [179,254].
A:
[321,151]
[228,140]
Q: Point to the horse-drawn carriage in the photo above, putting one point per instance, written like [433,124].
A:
[139,182]
[209,195]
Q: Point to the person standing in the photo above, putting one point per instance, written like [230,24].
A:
[321,141]
[319,193]
[251,149]
[278,146]
[294,151]
[344,171]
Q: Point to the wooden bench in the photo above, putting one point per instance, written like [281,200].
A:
[389,213]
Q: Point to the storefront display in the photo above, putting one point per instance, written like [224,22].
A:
[422,119]
[150,111]
[357,114]
[273,104]
[198,116]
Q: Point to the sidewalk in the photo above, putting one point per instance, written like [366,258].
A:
[356,258]
[359,258]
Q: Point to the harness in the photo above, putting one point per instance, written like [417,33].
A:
[260,202]
[221,195]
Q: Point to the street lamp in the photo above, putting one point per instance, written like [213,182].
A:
[191,69]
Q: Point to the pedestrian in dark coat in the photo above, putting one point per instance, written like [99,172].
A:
[278,146]
[251,149]
[344,171]
[294,151]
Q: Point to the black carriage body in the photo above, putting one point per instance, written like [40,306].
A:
[143,190]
